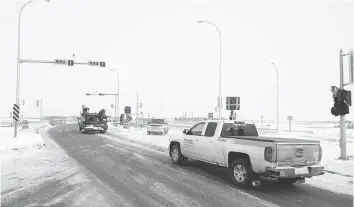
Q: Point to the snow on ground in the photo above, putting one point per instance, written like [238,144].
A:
[34,170]
[25,139]
[141,136]
[339,173]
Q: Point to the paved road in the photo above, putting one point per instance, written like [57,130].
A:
[133,174]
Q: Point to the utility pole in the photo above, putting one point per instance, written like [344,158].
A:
[277,96]
[19,61]
[137,108]
[343,142]
[116,110]
[41,110]
[219,98]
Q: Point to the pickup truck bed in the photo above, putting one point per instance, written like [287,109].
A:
[276,139]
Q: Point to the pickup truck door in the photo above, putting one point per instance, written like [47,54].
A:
[206,150]
[191,140]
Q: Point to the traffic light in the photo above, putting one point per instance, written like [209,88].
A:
[127,110]
[101,94]
[342,101]
[70,62]
[88,94]
[102,64]
[37,103]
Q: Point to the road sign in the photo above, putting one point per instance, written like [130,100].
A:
[210,115]
[60,62]
[102,64]
[233,103]
[16,112]
[70,62]
[24,124]
[290,118]
[93,63]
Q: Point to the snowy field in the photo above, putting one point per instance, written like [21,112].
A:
[33,167]
[339,173]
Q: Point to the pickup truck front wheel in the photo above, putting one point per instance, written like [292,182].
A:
[176,155]
[241,172]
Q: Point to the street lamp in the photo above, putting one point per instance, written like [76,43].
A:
[219,100]
[277,96]
[19,59]
[117,97]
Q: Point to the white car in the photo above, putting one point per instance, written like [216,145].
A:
[237,146]
[157,126]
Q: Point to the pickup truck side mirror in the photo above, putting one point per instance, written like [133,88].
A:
[185,131]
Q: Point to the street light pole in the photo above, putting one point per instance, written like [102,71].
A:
[19,59]
[277,96]
[117,97]
[219,99]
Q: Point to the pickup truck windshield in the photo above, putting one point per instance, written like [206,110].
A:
[232,130]
[157,121]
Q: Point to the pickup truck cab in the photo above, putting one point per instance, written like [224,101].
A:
[248,156]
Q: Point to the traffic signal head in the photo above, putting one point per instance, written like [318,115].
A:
[127,110]
[88,94]
[101,94]
[334,91]
[348,97]
[70,62]
[340,108]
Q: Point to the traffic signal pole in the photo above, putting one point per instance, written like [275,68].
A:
[343,141]
[137,108]
[41,110]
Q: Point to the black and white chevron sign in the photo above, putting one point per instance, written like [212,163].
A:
[16,112]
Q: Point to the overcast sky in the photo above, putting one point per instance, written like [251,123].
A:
[161,52]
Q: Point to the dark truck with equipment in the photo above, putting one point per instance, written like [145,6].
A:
[93,121]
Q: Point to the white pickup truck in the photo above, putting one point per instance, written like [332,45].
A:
[248,156]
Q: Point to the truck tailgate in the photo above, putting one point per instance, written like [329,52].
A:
[298,154]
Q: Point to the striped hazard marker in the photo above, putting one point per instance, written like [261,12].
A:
[16,112]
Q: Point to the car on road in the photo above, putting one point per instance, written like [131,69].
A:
[157,125]
[248,156]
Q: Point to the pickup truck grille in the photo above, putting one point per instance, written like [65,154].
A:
[297,155]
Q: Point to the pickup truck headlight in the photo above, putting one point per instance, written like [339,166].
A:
[270,154]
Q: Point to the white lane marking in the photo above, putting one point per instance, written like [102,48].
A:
[260,200]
